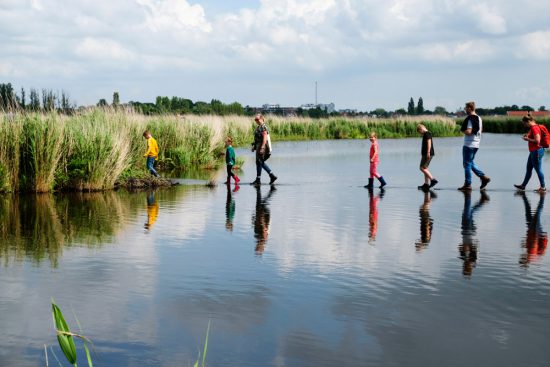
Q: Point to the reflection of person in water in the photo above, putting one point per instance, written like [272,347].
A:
[262,219]
[230,208]
[536,240]
[426,222]
[152,210]
[373,213]
[468,247]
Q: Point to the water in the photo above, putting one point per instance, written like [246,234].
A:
[314,272]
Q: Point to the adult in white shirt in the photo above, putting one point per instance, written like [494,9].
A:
[472,128]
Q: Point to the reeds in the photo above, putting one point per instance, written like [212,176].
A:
[93,149]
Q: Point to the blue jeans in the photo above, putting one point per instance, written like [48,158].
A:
[534,161]
[150,163]
[260,163]
[468,155]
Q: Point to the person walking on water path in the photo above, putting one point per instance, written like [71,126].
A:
[472,128]
[262,146]
[230,161]
[536,152]
[374,160]
[152,152]
[427,152]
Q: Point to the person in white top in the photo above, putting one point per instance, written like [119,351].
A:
[472,128]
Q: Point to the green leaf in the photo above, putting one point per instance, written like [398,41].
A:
[205,344]
[66,342]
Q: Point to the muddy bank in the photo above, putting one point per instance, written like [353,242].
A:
[144,183]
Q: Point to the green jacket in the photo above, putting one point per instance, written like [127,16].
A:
[230,156]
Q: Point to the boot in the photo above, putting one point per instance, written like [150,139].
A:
[382,182]
[256,182]
[465,188]
[484,181]
[272,178]
[371,184]
[237,179]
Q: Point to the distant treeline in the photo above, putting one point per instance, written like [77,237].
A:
[506,125]
[49,100]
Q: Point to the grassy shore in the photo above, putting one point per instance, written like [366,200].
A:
[506,125]
[98,148]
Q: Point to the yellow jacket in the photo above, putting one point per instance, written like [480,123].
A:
[152,148]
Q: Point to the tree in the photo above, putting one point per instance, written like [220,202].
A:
[527,108]
[379,112]
[420,106]
[102,103]
[116,99]
[7,97]
[34,102]
[401,111]
[438,110]
[542,108]
[23,99]
[410,107]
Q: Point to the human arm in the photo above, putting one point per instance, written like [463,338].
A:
[264,142]
[148,148]
[429,148]
[535,136]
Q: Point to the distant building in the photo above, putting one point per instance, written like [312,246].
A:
[328,107]
[523,113]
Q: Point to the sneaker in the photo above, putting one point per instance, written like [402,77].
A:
[465,188]
[433,182]
[519,187]
[484,181]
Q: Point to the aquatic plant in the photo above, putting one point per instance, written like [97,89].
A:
[93,149]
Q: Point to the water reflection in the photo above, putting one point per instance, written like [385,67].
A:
[536,239]
[230,208]
[373,213]
[469,246]
[39,226]
[426,222]
[261,219]
[152,210]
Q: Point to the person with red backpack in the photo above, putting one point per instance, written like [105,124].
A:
[536,151]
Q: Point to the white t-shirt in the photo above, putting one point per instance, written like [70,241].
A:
[472,141]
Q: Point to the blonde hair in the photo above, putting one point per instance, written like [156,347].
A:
[229,140]
[471,105]
[259,117]
[372,135]
[421,126]
[528,118]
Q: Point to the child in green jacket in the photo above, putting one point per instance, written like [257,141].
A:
[230,161]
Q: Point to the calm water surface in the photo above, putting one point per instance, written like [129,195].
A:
[312,272]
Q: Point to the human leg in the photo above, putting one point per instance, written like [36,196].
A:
[150,166]
[537,165]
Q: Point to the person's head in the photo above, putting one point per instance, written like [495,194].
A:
[528,120]
[470,107]
[259,118]
[372,137]
[228,141]
[421,129]
[146,134]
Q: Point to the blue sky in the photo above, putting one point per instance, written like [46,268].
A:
[364,54]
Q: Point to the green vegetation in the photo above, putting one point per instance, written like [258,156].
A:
[97,148]
[505,124]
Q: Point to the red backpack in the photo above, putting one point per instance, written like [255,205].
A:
[544,136]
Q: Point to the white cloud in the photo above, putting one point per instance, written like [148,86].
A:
[174,15]
[103,49]
[534,45]
[489,20]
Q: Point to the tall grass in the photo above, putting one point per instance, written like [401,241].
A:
[93,149]
[507,125]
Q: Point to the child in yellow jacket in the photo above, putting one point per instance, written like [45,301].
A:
[152,153]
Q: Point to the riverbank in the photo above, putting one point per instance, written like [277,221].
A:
[99,149]
[505,124]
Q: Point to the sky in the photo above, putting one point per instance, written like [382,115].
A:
[363,54]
